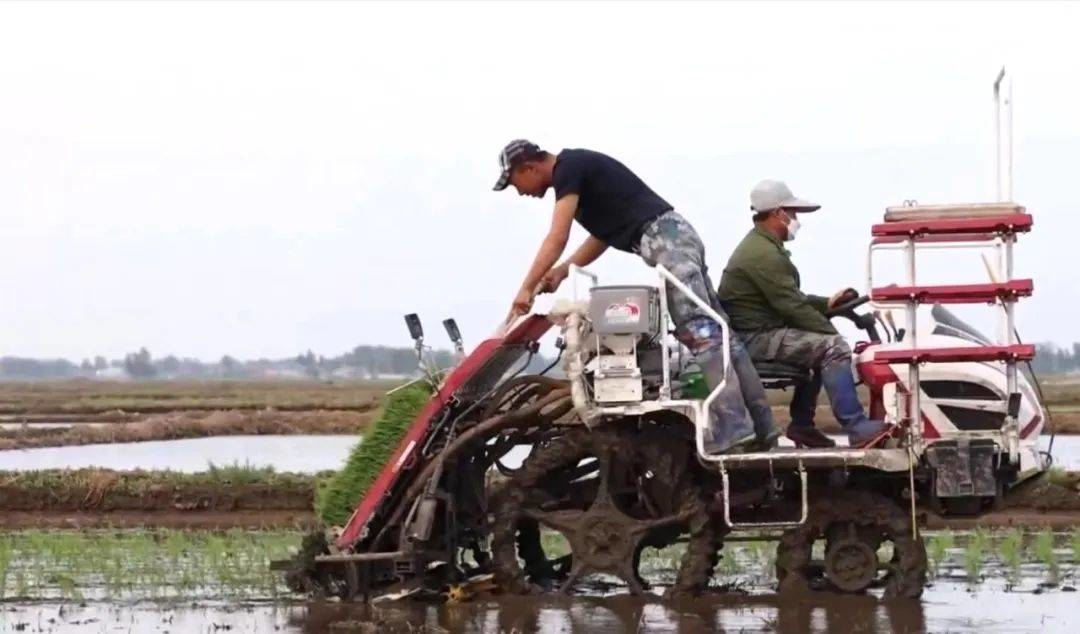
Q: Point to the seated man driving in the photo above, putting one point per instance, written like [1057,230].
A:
[779,323]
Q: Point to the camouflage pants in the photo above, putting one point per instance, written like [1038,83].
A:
[671,241]
[801,349]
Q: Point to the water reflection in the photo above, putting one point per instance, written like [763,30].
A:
[305,454]
[819,613]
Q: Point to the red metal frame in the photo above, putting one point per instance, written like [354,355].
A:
[1030,427]
[530,329]
[954,294]
[931,239]
[875,376]
[1011,223]
[981,354]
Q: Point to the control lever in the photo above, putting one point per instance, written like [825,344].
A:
[416,331]
[881,320]
[898,333]
[454,333]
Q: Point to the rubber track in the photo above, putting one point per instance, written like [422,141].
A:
[865,509]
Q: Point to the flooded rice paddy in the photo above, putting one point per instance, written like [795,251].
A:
[167,581]
[300,454]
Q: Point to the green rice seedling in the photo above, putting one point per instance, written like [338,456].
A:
[728,565]
[1058,475]
[67,587]
[1074,541]
[1011,548]
[554,544]
[22,588]
[937,548]
[5,562]
[1044,550]
[974,553]
[141,565]
[337,497]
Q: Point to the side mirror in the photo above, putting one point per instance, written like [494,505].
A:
[416,330]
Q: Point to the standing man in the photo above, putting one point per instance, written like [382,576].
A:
[619,210]
[777,322]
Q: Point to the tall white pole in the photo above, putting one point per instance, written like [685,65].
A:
[1009,131]
[997,132]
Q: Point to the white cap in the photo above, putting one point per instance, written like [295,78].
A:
[769,195]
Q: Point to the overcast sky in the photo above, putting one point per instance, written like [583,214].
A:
[260,179]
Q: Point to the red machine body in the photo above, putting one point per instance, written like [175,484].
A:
[405,461]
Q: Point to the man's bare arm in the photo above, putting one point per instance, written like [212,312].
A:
[546,256]
[555,242]
[587,253]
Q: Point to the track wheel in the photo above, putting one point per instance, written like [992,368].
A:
[854,526]
[609,493]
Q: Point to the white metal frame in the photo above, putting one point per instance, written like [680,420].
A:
[1003,245]
[698,410]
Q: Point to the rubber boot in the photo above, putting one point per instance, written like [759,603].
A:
[840,386]
[728,420]
[753,394]
[803,407]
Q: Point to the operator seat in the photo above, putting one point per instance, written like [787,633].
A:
[778,376]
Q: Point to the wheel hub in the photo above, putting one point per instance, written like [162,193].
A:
[851,565]
[603,541]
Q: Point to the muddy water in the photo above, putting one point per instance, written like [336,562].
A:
[284,453]
[946,608]
[991,597]
[42,425]
[1066,451]
[304,454]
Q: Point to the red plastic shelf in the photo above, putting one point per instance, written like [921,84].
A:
[1011,223]
[1022,352]
[955,294]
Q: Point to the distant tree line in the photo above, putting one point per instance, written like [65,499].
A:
[362,362]
[1050,359]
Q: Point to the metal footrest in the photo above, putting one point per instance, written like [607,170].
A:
[803,514]
[891,459]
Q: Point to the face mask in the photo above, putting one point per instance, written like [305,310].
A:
[792,229]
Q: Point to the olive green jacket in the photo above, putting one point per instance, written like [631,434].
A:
[760,289]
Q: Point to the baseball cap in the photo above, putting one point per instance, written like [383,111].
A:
[769,195]
[512,155]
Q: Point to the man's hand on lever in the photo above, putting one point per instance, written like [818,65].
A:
[522,304]
[585,255]
[554,278]
[546,256]
[842,297]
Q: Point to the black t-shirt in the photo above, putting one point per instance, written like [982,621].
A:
[613,203]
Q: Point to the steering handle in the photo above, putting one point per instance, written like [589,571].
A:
[847,306]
